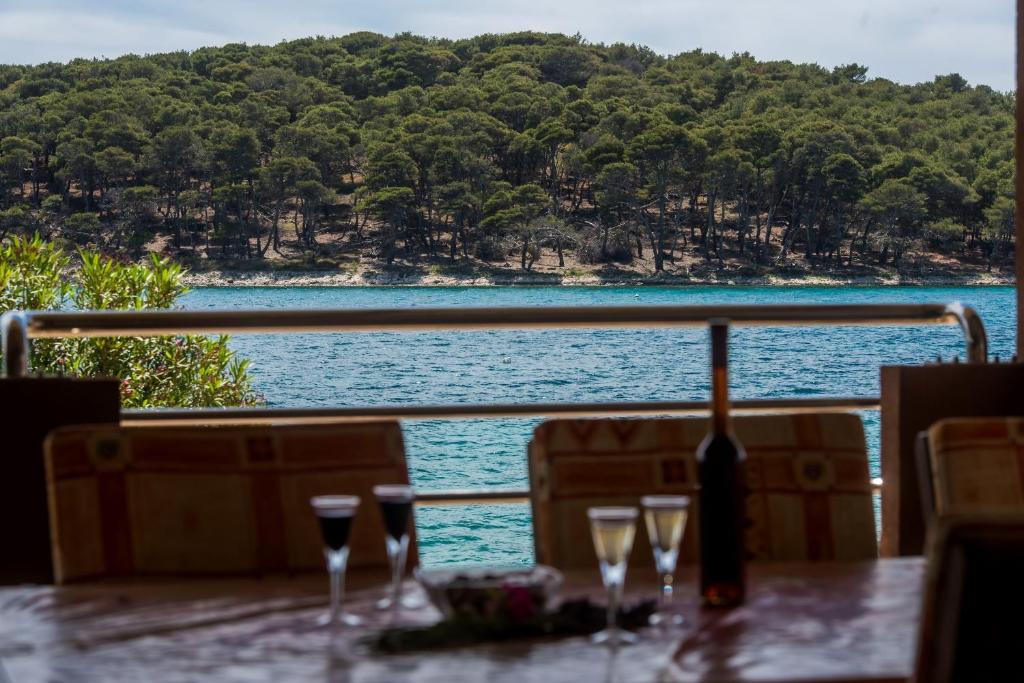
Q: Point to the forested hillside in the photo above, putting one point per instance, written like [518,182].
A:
[512,149]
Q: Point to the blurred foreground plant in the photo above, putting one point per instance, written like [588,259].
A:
[181,371]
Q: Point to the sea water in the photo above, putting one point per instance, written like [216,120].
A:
[375,369]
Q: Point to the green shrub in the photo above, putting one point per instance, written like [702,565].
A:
[12,217]
[83,223]
[945,234]
[53,204]
[185,371]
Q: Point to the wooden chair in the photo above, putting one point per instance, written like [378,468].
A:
[925,479]
[971,619]
[212,500]
[809,494]
[977,464]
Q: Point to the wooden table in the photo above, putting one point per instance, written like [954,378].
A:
[825,622]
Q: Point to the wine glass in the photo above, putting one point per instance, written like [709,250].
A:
[613,529]
[666,521]
[335,514]
[395,507]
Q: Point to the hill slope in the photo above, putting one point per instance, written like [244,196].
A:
[527,151]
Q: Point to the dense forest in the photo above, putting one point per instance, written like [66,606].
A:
[506,149]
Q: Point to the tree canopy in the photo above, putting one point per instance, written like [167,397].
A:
[504,147]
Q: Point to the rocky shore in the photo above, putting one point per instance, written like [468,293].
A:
[421,278]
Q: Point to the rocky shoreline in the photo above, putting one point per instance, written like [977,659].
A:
[418,278]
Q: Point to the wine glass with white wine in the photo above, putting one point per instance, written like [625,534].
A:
[613,530]
[666,520]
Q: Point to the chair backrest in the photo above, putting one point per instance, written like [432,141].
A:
[809,488]
[925,480]
[970,621]
[212,500]
[977,464]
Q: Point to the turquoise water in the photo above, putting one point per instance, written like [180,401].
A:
[568,365]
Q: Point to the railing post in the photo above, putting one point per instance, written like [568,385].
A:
[14,339]
[974,331]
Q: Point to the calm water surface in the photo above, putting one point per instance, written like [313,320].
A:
[568,365]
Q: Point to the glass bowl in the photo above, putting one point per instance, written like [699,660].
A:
[491,594]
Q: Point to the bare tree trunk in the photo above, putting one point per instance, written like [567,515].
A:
[709,230]
[453,245]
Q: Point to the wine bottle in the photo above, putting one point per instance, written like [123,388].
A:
[720,460]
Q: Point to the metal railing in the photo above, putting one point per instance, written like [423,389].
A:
[17,328]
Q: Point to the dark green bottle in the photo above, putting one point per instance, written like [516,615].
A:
[721,459]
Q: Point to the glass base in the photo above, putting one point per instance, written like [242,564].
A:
[663,620]
[406,601]
[613,637]
[343,619]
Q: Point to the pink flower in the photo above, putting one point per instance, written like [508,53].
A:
[519,603]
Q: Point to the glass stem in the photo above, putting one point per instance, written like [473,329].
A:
[614,596]
[335,595]
[396,580]
[336,570]
[396,577]
[397,551]
[666,592]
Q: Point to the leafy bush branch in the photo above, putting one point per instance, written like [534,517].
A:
[184,371]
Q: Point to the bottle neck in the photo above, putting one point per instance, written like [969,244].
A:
[719,379]
[720,401]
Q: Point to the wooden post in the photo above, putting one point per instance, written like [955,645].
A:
[29,409]
[1019,213]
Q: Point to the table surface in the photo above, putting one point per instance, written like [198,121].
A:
[808,622]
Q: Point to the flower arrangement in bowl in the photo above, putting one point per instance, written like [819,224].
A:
[494,595]
[489,605]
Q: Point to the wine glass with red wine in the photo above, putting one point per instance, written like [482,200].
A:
[395,502]
[336,514]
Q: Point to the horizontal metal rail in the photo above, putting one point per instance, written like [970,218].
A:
[53,324]
[503,496]
[472,497]
[18,327]
[234,416]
